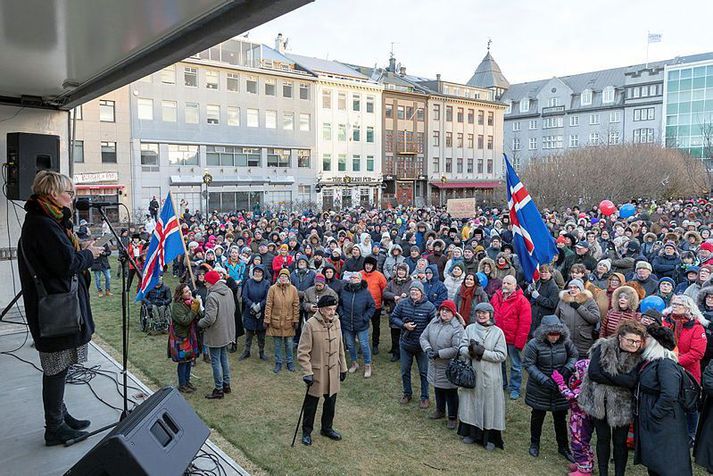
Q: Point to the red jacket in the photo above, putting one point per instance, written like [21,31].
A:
[280,262]
[514,316]
[690,344]
[376,283]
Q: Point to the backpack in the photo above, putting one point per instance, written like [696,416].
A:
[690,394]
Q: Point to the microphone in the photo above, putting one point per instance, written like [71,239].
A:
[85,204]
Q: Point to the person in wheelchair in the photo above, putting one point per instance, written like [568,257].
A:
[155,308]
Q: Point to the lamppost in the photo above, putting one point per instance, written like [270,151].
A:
[207,180]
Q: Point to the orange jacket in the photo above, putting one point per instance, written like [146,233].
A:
[376,282]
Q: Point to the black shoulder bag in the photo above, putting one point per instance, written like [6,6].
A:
[59,314]
[460,373]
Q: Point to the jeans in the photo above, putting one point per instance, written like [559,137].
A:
[692,423]
[447,396]
[184,373]
[311,410]
[515,370]
[107,279]
[560,422]
[221,369]
[289,345]
[406,358]
[607,435]
[363,337]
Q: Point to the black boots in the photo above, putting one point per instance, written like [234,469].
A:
[263,357]
[331,434]
[75,424]
[564,451]
[61,435]
[216,394]
[244,355]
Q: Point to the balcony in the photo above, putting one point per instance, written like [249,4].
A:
[409,148]
[553,110]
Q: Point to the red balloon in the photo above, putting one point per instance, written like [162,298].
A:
[607,207]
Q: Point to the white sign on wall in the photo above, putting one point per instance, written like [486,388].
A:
[93,177]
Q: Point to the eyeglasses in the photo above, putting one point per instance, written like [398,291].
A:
[71,193]
[635,342]
[677,304]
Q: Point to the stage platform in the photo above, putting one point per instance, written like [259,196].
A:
[22,450]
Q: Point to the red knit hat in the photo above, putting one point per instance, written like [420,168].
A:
[450,305]
[212,276]
[707,246]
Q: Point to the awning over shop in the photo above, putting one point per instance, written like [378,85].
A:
[192,180]
[451,185]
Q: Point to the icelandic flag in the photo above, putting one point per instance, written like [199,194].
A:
[532,240]
[164,246]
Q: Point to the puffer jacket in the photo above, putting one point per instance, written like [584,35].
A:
[421,313]
[356,306]
[514,316]
[435,290]
[666,266]
[690,342]
[610,321]
[255,292]
[540,359]
[302,280]
[581,321]
[453,285]
[392,261]
[444,339]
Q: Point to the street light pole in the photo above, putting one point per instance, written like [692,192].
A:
[207,180]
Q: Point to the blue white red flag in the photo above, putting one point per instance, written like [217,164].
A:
[164,246]
[532,240]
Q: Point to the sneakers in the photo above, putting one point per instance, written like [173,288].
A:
[437,415]
[367,370]
[579,473]
[100,294]
[62,435]
[278,367]
[452,423]
[215,395]
[514,395]
[423,404]
[354,367]
[405,399]
[291,366]
[108,293]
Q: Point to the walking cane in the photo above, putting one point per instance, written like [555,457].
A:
[304,402]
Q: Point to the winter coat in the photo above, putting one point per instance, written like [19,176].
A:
[607,388]
[439,261]
[236,271]
[507,270]
[478,296]
[279,262]
[282,310]
[392,261]
[254,292]
[218,322]
[356,306]
[484,405]
[420,313]
[302,280]
[158,296]
[603,297]
[545,303]
[690,343]
[376,283]
[586,259]
[708,315]
[54,259]
[435,291]
[666,266]
[703,451]
[660,426]
[581,321]
[540,359]
[102,262]
[494,283]
[444,339]
[650,284]
[514,316]
[600,282]
[184,317]
[321,354]
[354,265]
[453,285]
[311,296]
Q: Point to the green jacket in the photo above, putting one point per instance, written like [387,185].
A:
[183,316]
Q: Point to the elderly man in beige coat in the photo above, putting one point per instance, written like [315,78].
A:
[321,355]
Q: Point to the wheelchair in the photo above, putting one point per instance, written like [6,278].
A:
[154,320]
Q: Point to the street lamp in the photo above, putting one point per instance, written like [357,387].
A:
[207,180]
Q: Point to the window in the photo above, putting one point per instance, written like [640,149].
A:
[190,77]
[288,121]
[436,164]
[481,141]
[449,113]
[78,152]
[305,122]
[552,122]
[369,133]
[211,79]
[449,139]
[286,89]
[459,140]
[232,83]
[270,87]
[342,101]
[327,131]
[304,157]
[573,121]
[635,92]
[552,142]
[593,119]
[532,124]
[106,111]
[449,165]
[326,162]
[490,166]
[250,157]
[491,117]
[593,138]
[516,126]
[108,152]
[400,112]
[304,91]
[480,166]
[608,95]
[356,163]
[644,114]
[168,75]
[342,132]
[253,117]
[509,108]
[481,117]
[574,140]
[212,113]
[369,163]
[327,99]
[251,84]
[459,165]
[436,112]
[613,137]
[271,119]
[524,105]
[436,138]
[389,111]
[532,143]
[233,116]
[145,109]
[470,141]
[471,116]
[552,102]
[149,157]
[470,165]
[642,136]
[356,102]
[459,115]
[218,155]
[409,113]
[168,111]
[490,142]
[370,104]
[356,133]
[516,143]
[278,158]
[192,114]
[586,97]
[342,163]
[615,116]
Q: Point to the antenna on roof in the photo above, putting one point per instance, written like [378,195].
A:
[489,43]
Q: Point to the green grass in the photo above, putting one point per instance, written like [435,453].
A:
[380,435]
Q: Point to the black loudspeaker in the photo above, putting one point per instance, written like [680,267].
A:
[27,154]
[160,437]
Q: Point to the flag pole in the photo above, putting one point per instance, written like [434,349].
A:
[648,32]
[183,242]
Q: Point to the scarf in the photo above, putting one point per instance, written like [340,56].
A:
[678,322]
[58,213]
[466,300]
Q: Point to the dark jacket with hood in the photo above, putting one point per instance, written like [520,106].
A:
[708,314]
[255,292]
[435,290]
[335,283]
[439,259]
[356,306]
[545,303]
[666,266]
[703,451]
[302,279]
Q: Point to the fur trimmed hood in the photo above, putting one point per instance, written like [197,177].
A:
[694,234]
[701,300]
[649,237]
[634,297]
[580,298]
[482,264]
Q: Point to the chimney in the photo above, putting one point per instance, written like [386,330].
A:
[280,44]
[438,76]
[402,70]
[392,64]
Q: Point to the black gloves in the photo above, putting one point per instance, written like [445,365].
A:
[476,350]
[432,354]
[309,380]
[575,305]
[552,385]
[566,373]
[342,376]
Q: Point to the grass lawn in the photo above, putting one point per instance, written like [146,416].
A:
[380,435]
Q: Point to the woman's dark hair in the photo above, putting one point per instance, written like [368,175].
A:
[476,280]
[630,326]
[178,292]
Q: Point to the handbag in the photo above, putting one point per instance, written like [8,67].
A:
[460,373]
[58,315]
[182,349]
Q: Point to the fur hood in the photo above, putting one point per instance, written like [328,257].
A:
[396,247]
[542,331]
[621,277]
[580,298]
[695,234]
[649,237]
[482,264]
[701,300]
[442,243]
[622,289]
[502,255]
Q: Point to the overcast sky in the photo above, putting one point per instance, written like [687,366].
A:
[531,39]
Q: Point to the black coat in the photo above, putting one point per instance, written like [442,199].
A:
[102,262]
[55,260]
[703,451]
[356,306]
[545,304]
[254,293]
[660,427]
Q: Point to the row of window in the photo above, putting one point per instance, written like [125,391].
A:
[406,141]
[460,115]
[650,90]
[459,140]
[644,135]
[558,121]
[108,152]
[404,112]
[469,163]
[342,101]
[342,132]
[342,163]
[586,97]
[223,156]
